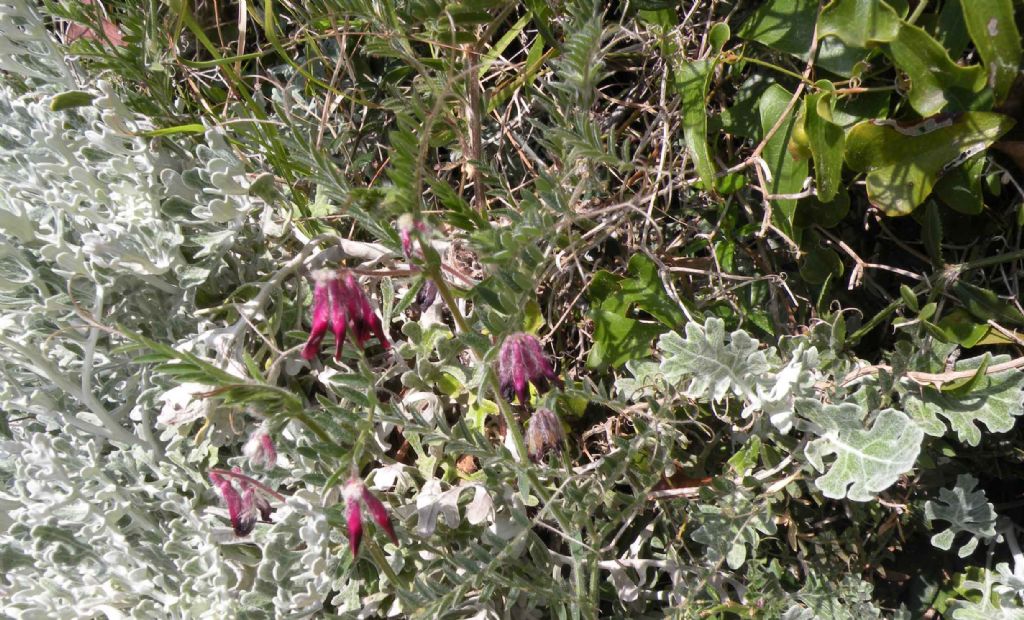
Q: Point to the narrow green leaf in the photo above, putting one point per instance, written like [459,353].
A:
[787,168]
[826,140]
[71,99]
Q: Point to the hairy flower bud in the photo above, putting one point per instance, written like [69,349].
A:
[356,494]
[521,361]
[544,434]
[406,225]
[260,448]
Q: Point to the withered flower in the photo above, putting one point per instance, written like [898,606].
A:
[544,434]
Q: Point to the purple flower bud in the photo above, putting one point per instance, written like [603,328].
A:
[544,434]
[406,224]
[365,322]
[379,514]
[426,296]
[356,494]
[321,318]
[355,525]
[242,508]
[260,448]
[521,361]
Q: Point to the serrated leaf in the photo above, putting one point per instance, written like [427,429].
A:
[709,367]
[868,459]
[732,525]
[995,402]
[966,510]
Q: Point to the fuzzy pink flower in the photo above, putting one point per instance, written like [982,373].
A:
[242,508]
[260,448]
[406,225]
[338,304]
[522,361]
[356,495]
[364,321]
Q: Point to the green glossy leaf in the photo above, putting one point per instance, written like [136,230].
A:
[985,305]
[958,326]
[994,31]
[868,458]
[691,81]
[826,140]
[859,22]
[904,162]
[785,25]
[936,82]
[71,99]
[960,188]
[788,169]
[618,339]
[994,401]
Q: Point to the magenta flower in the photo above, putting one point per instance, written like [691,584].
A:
[406,225]
[242,508]
[339,303]
[544,434]
[522,361]
[356,494]
[260,448]
[363,319]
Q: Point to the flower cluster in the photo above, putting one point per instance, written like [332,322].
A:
[340,304]
[521,361]
[242,508]
[356,495]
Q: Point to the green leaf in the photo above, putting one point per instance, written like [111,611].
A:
[985,305]
[785,25]
[859,22]
[959,327]
[691,81]
[967,511]
[71,99]
[936,82]
[788,170]
[904,162]
[868,459]
[960,188]
[994,402]
[826,140]
[993,29]
[618,339]
[730,523]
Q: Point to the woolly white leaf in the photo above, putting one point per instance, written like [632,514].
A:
[710,367]
[867,459]
[995,402]
[966,510]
